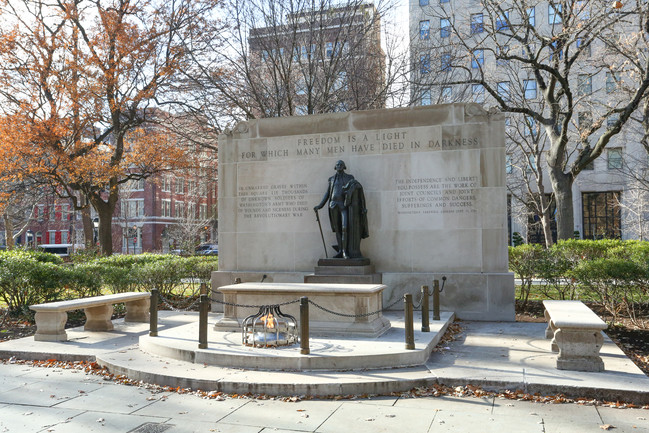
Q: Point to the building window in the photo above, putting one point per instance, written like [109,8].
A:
[65,212]
[179,209]
[166,208]
[554,13]
[612,120]
[503,90]
[424,64]
[530,89]
[509,169]
[477,25]
[583,46]
[531,127]
[202,209]
[166,184]
[601,215]
[612,80]
[585,120]
[531,16]
[180,186]
[51,237]
[444,1]
[132,208]
[502,22]
[447,93]
[501,55]
[614,158]
[554,49]
[531,163]
[423,2]
[330,50]
[40,212]
[191,210]
[582,10]
[445,60]
[584,84]
[424,30]
[478,93]
[425,97]
[477,59]
[444,28]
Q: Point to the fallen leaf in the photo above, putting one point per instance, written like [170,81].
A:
[607,427]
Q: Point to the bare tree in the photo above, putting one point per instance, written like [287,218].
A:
[294,57]
[560,73]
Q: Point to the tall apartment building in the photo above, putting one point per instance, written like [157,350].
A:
[317,61]
[453,41]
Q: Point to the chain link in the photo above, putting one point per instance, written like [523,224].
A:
[254,306]
[315,305]
[166,302]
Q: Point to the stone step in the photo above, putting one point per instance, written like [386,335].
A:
[344,279]
[344,270]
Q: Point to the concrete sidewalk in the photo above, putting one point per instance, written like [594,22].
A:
[34,399]
[494,356]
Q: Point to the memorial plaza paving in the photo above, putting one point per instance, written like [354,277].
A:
[495,356]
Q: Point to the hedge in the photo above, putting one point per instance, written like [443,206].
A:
[613,273]
[30,277]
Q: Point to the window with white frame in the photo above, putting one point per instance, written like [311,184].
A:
[425,97]
[502,21]
[424,64]
[477,59]
[612,80]
[40,212]
[478,93]
[554,13]
[447,93]
[503,90]
[444,27]
[51,236]
[531,16]
[424,30]
[166,184]
[477,23]
[202,211]
[191,210]
[529,87]
[180,185]
[132,208]
[179,209]
[166,208]
[584,84]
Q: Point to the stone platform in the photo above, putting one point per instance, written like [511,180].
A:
[493,355]
[351,302]
[344,271]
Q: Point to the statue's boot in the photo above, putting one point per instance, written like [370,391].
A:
[341,251]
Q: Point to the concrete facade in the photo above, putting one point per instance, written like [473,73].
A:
[434,182]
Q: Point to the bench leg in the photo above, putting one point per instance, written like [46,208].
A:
[137,311]
[579,349]
[50,326]
[98,318]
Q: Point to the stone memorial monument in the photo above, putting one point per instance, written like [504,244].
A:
[433,184]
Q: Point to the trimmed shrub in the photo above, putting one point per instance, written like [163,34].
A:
[28,278]
[523,261]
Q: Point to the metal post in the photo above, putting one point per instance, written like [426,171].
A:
[425,310]
[304,326]
[436,300]
[153,314]
[202,322]
[410,332]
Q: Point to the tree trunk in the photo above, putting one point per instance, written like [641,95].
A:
[105,210]
[88,229]
[9,232]
[546,223]
[562,186]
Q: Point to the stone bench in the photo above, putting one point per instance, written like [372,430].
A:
[51,317]
[576,334]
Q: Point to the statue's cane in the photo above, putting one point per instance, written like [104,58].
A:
[317,217]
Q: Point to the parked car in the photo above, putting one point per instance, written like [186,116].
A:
[207,249]
[61,250]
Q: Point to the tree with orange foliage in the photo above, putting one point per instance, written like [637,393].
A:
[81,86]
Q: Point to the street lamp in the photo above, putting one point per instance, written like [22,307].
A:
[95,232]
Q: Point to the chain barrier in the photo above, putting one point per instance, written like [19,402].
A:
[167,303]
[231,304]
[315,305]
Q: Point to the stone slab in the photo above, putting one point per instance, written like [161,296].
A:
[335,309]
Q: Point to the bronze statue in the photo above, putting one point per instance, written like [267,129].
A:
[347,212]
